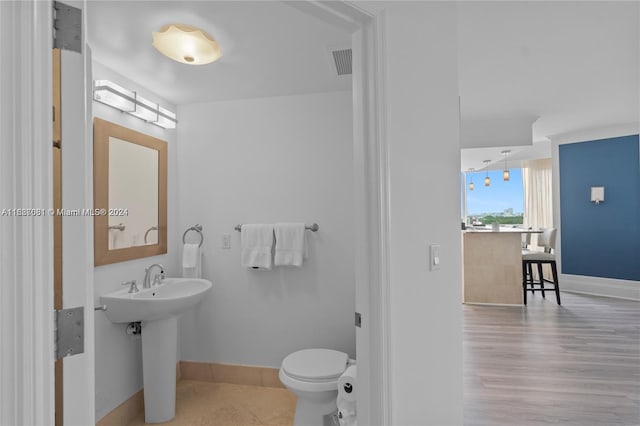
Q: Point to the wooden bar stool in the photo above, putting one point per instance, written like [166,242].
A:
[547,240]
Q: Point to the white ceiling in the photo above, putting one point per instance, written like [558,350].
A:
[572,65]
[268,48]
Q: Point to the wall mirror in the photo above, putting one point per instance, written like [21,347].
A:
[129,192]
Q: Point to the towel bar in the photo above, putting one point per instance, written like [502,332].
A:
[313,227]
[198,229]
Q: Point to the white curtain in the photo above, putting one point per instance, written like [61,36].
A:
[538,207]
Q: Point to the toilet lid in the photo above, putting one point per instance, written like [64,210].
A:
[315,364]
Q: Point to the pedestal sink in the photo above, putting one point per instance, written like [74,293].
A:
[157,308]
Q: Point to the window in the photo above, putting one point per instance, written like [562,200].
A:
[502,201]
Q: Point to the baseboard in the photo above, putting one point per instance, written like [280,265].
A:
[230,373]
[619,289]
[517,305]
[124,413]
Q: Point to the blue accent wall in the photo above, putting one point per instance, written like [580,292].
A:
[601,240]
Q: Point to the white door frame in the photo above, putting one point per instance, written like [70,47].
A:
[367,27]
[26,274]
[26,242]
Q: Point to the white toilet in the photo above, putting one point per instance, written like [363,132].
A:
[312,374]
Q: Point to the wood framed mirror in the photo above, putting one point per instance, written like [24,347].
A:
[129,193]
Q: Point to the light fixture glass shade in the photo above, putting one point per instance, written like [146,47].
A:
[145,110]
[186,44]
[505,174]
[471,186]
[166,119]
[487,181]
[128,101]
[113,95]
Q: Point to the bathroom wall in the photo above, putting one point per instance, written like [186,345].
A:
[280,159]
[118,361]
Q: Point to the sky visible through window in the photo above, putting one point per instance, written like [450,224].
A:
[497,197]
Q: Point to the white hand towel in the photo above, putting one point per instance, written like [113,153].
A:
[290,244]
[191,261]
[257,245]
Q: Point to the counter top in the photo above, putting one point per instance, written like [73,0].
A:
[503,230]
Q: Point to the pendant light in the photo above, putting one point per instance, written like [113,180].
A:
[505,173]
[471,183]
[487,179]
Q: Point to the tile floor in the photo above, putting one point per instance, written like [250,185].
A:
[223,404]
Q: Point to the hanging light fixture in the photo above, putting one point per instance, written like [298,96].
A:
[487,179]
[471,183]
[186,44]
[505,173]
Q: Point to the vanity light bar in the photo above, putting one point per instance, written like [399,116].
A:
[108,93]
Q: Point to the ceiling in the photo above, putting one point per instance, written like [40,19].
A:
[268,48]
[571,65]
[563,66]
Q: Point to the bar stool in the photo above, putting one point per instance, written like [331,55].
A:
[526,242]
[547,240]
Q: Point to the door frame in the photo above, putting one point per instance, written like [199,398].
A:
[366,23]
[26,243]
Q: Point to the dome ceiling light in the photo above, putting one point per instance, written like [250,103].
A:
[186,44]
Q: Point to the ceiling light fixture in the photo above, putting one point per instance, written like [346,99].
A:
[487,179]
[128,101]
[505,173]
[186,44]
[471,183]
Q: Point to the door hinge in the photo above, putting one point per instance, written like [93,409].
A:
[67,27]
[358,319]
[69,332]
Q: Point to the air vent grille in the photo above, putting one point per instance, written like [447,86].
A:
[342,58]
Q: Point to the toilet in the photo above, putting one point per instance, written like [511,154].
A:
[312,374]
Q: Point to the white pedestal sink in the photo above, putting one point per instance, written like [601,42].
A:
[158,309]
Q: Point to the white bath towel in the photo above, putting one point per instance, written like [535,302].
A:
[257,246]
[191,261]
[290,244]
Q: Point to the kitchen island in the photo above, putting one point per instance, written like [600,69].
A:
[492,266]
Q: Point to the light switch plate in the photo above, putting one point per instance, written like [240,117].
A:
[434,257]
[226,241]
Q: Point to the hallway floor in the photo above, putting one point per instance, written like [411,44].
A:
[575,364]
[223,404]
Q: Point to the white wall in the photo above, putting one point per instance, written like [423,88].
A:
[118,361]
[264,161]
[424,158]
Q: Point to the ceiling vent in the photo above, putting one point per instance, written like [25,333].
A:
[342,59]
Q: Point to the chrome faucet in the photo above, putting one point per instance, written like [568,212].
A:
[146,283]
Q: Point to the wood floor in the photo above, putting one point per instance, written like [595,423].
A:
[575,364]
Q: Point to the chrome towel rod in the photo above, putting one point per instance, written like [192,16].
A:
[313,227]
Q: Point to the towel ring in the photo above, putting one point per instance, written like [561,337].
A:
[198,229]
[153,228]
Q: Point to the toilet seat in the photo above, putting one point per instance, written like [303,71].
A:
[315,365]
[313,370]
